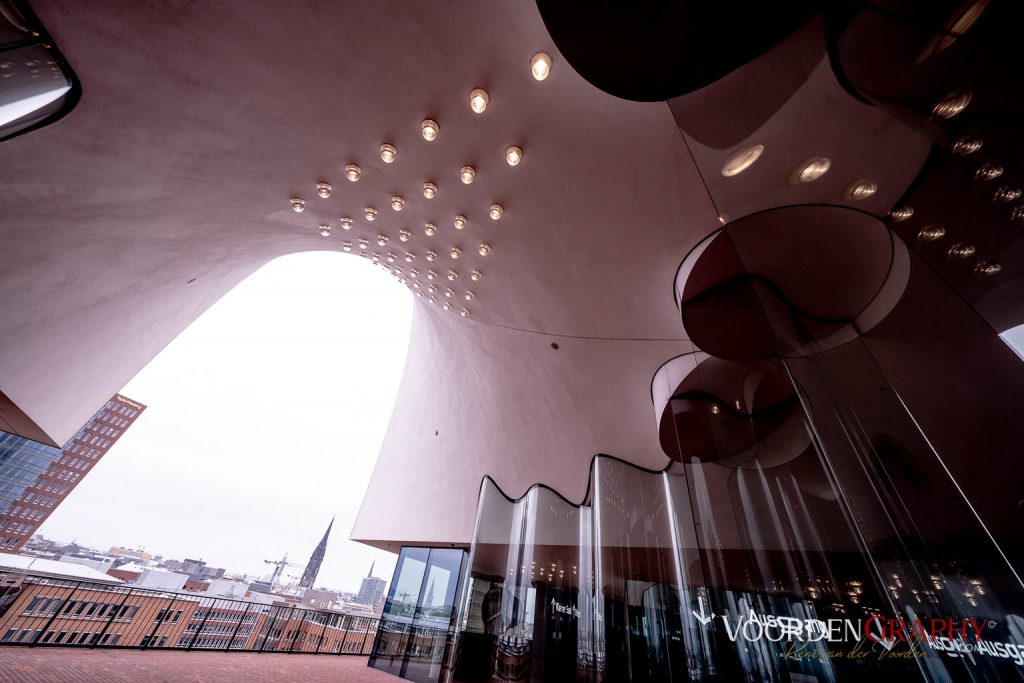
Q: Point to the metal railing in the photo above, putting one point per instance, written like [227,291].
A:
[49,612]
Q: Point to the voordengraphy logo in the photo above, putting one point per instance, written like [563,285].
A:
[953,637]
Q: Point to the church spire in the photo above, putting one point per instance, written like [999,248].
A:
[315,560]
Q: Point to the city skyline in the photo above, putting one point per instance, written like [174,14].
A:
[257,478]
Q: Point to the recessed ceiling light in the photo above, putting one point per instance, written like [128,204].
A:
[460,222]
[388,153]
[404,235]
[540,66]
[414,272]
[431,275]
[1017,213]
[325,230]
[986,268]
[346,245]
[298,205]
[391,255]
[453,275]
[811,170]
[513,155]
[960,251]
[931,233]
[470,295]
[429,190]
[467,174]
[464,312]
[742,160]
[397,203]
[429,229]
[409,257]
[456,252]
[715,410]
[1006,194]
[352,172]
[966,145]
[475,276]
[901,214]
[862,189]
[496,211]
[485,249]
[346,223]
[988,172]
[370,213]
[324,189]
[449,292]
[382,240]
[478,100]
[447,306]
[431,255]
[429,129]
[363,243]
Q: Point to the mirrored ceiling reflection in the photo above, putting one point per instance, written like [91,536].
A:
[37,86]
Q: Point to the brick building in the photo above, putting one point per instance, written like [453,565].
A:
[38,478]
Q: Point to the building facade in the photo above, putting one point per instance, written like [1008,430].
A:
[371,589]
[35,478]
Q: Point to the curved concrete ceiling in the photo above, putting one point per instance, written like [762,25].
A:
[169,184]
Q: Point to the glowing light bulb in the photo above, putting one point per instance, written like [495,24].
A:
[429,190]
[370,214]
[430,229]
[485,249]
[467,174]
[478,100]
[352,172]
[496,211]
[513,155]
[325,230]
[324,190]
[346,223]
[460,222]
[388,153]
[429,129]
[456,252]
[540,66]
[397,203]
[298,205]
[404,235]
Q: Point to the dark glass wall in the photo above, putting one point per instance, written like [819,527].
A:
[21,463]
[415,627]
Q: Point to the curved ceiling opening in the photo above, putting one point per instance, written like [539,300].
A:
[265,418]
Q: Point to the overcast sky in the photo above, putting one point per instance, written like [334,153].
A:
[264,420]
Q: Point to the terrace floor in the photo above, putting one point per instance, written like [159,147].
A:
[61,665]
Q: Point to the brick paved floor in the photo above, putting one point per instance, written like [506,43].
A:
[66,665]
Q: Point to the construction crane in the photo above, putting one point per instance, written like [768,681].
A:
[279,566]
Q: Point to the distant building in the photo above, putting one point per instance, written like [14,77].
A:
[371,590]
[315,560]
[35,478]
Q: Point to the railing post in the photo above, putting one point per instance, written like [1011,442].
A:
[159,621]
[270,625]
[237,628]
[298,630]
[58,611]
[323,632]
[344,638]
[199,630]
[112,617]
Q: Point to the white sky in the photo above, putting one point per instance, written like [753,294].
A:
[264,420]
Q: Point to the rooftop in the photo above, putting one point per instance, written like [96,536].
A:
[53,568]
[46,665]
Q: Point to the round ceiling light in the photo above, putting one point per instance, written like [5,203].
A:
[324,189]
[513,155]
[742,160]
[901,214]
[464,312]
[951,106]
[485,249]
[382,240]
[1006,194]
[346,245]
[460,222]
[325,230]
[478,100]
[467,174]
[431,255]
[960,251]
[811,170]
[966,146]
[988,172]
[469,295]
[931,233]
[429,229]
[397,203]
[540,66]
[475,276]
[986,268]
[429,190]
[352,172]
[453,275]
[496,211]
[404,235]
[388,153]
[298,205]
[456,252]
[370,213]
[429,129]
[862,189]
